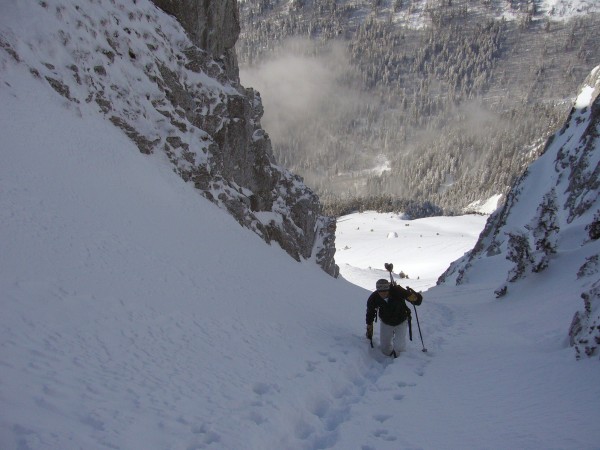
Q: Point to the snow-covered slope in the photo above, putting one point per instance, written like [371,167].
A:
[137,317]
[133,64]
[567,9]
[550,223]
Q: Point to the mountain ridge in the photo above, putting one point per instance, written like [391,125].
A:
[551,217]
[134,65]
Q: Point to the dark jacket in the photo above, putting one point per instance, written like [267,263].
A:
[393,310]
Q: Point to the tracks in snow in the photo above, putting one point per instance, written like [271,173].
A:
[367,392]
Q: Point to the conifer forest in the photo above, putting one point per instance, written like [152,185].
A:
[412,105]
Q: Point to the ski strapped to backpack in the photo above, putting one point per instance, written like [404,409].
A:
[389,267]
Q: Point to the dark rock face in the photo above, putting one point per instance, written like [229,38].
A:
[240,173]
[212,25]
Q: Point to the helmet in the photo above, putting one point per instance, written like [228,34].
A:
[382,285]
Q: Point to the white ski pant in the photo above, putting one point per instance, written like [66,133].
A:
[392,338]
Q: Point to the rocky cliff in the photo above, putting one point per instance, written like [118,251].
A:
[170,82]
[266,198]
[212,25]
[551,221]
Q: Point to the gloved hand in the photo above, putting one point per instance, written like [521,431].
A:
[370,331]
[413,295]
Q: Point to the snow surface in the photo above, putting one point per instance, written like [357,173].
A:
[422,249]
[560,10]
[136,315]
[485,207]
[568,9]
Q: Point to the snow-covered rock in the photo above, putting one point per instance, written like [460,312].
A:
[175,92]
[551,218]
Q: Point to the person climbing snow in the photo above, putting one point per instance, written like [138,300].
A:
[394,315]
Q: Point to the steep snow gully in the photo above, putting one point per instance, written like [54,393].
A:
[137,315]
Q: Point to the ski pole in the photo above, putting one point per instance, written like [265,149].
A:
[419,326]
[424,350]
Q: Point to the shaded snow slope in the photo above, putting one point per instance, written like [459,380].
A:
[137,317]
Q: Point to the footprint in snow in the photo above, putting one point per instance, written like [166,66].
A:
[328,356]
[384,434]
[264,388]
[381,417]
[311,366]
[207,437]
